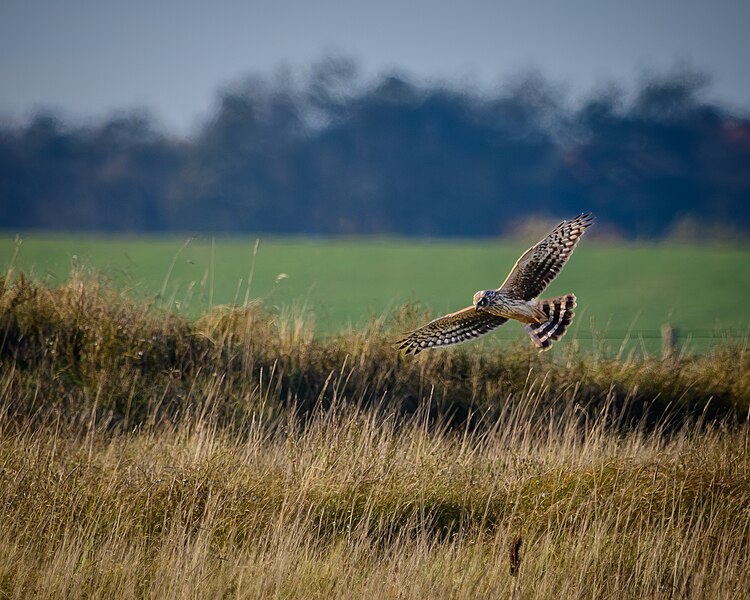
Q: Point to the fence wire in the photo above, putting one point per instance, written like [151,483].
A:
[653,334]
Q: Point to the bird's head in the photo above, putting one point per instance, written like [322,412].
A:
[481,299]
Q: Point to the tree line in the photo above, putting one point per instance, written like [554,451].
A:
[330,155]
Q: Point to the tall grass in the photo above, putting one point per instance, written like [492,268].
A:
[143,455]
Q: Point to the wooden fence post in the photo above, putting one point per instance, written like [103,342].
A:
[668,340]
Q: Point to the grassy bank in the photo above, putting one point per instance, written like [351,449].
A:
[86,340]
[240,456]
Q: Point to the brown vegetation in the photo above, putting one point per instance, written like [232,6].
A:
[144,455]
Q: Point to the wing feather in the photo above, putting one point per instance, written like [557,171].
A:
[541,263]
[454,328]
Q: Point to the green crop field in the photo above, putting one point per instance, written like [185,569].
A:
[702,290]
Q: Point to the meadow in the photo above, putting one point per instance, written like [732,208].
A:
[243,452]
[624,289]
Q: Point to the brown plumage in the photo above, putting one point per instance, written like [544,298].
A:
[545,320]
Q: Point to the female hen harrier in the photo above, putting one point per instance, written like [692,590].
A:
[544,320]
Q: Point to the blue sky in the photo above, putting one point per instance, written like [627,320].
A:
[88,59]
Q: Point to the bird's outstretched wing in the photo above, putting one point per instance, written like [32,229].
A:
[540,264]
[454,328]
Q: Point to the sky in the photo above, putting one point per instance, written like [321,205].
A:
[89,59]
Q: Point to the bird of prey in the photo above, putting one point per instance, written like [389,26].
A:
[544,320]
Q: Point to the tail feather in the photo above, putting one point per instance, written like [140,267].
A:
[559,312]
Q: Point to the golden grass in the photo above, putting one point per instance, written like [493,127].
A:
[361,504]
[240,457]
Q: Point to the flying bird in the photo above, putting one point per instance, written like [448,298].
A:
[543,320]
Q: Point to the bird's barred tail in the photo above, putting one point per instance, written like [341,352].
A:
[559,313]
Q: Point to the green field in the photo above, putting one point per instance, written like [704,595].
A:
[702,291]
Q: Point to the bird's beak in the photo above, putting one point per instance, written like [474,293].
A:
[476,308]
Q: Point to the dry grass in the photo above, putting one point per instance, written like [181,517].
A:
[145,456]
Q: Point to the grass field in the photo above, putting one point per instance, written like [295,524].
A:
[147,455]
[360,506]
[702,290]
